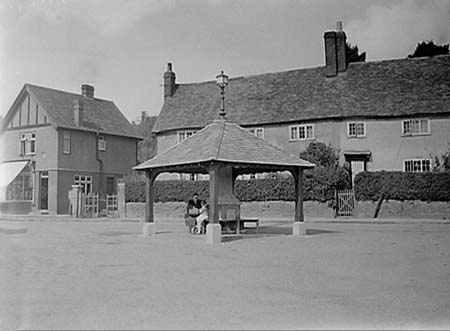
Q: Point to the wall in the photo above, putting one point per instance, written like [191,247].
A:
[119,157]
[66,180]
[389,148]
[383,139]
[44,158]
[406,210]
[278,135]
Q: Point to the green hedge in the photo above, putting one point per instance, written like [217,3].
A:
[402,186]
[319,185]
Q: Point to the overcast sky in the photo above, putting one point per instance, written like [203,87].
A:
[122,47]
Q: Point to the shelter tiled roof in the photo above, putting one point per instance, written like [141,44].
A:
[391,88]
[226,142]
[98,113]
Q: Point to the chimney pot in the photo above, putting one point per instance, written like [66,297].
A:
[87,91]
[339,26]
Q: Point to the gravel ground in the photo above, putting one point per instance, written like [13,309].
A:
[105,275]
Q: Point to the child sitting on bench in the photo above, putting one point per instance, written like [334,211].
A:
[202,218]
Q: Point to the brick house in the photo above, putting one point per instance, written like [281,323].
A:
[381,115]
[52,139]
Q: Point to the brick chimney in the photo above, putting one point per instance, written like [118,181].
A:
[87,91]
[169,81]
[78,112]
[335,60]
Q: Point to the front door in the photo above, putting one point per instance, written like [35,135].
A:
[43,203]
[110,185]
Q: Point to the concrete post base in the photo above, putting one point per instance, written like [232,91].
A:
[299,229]
[213,233]
[148,229]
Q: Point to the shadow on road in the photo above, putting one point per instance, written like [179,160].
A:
[265,231]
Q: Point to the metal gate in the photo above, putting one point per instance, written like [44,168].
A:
[345,203]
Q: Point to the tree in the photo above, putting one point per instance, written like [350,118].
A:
[429,49]
[328,174]
[442,163]
[352,53]
[320,154]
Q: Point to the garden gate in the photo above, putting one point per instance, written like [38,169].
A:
[345,203]
[91,205]
[111,204]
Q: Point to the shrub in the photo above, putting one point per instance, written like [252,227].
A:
[318,185]
[397,185]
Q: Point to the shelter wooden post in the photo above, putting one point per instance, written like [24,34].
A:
[213,194]
[149,225]
[299,227]
[213,229]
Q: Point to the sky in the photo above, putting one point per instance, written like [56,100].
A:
[122,47]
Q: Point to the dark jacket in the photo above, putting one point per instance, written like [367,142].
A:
[191,204]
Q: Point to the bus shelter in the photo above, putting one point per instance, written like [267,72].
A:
[223,150]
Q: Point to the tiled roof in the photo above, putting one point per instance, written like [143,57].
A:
[98,113]
[227,142]
[389,88]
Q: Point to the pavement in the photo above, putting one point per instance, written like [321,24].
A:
[106,275]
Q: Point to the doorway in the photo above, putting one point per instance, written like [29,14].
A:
[43,187]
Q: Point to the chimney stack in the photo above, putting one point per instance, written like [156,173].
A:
[87,91]
[169,81]
[78,112]
[335,42]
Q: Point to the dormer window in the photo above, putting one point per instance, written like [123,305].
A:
[101,143]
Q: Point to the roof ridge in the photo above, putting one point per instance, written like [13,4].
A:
[66,92]
[221,138]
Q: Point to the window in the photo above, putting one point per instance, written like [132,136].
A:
[417,165]
[301,132]
[21,188]
[28,143]
[183,135]
[356,129]
[85,182]
[258,132]
[66,142]
[101,143]
[415,127]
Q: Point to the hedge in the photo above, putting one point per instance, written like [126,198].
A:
[402,186]
[318,185]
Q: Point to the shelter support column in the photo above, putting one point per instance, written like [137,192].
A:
[299,227]
[149,224]
[213,229]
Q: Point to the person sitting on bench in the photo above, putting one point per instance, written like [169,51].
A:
[193,206]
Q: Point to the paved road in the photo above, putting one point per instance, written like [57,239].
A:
[105,275]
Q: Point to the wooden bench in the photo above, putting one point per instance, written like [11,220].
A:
[241,223]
